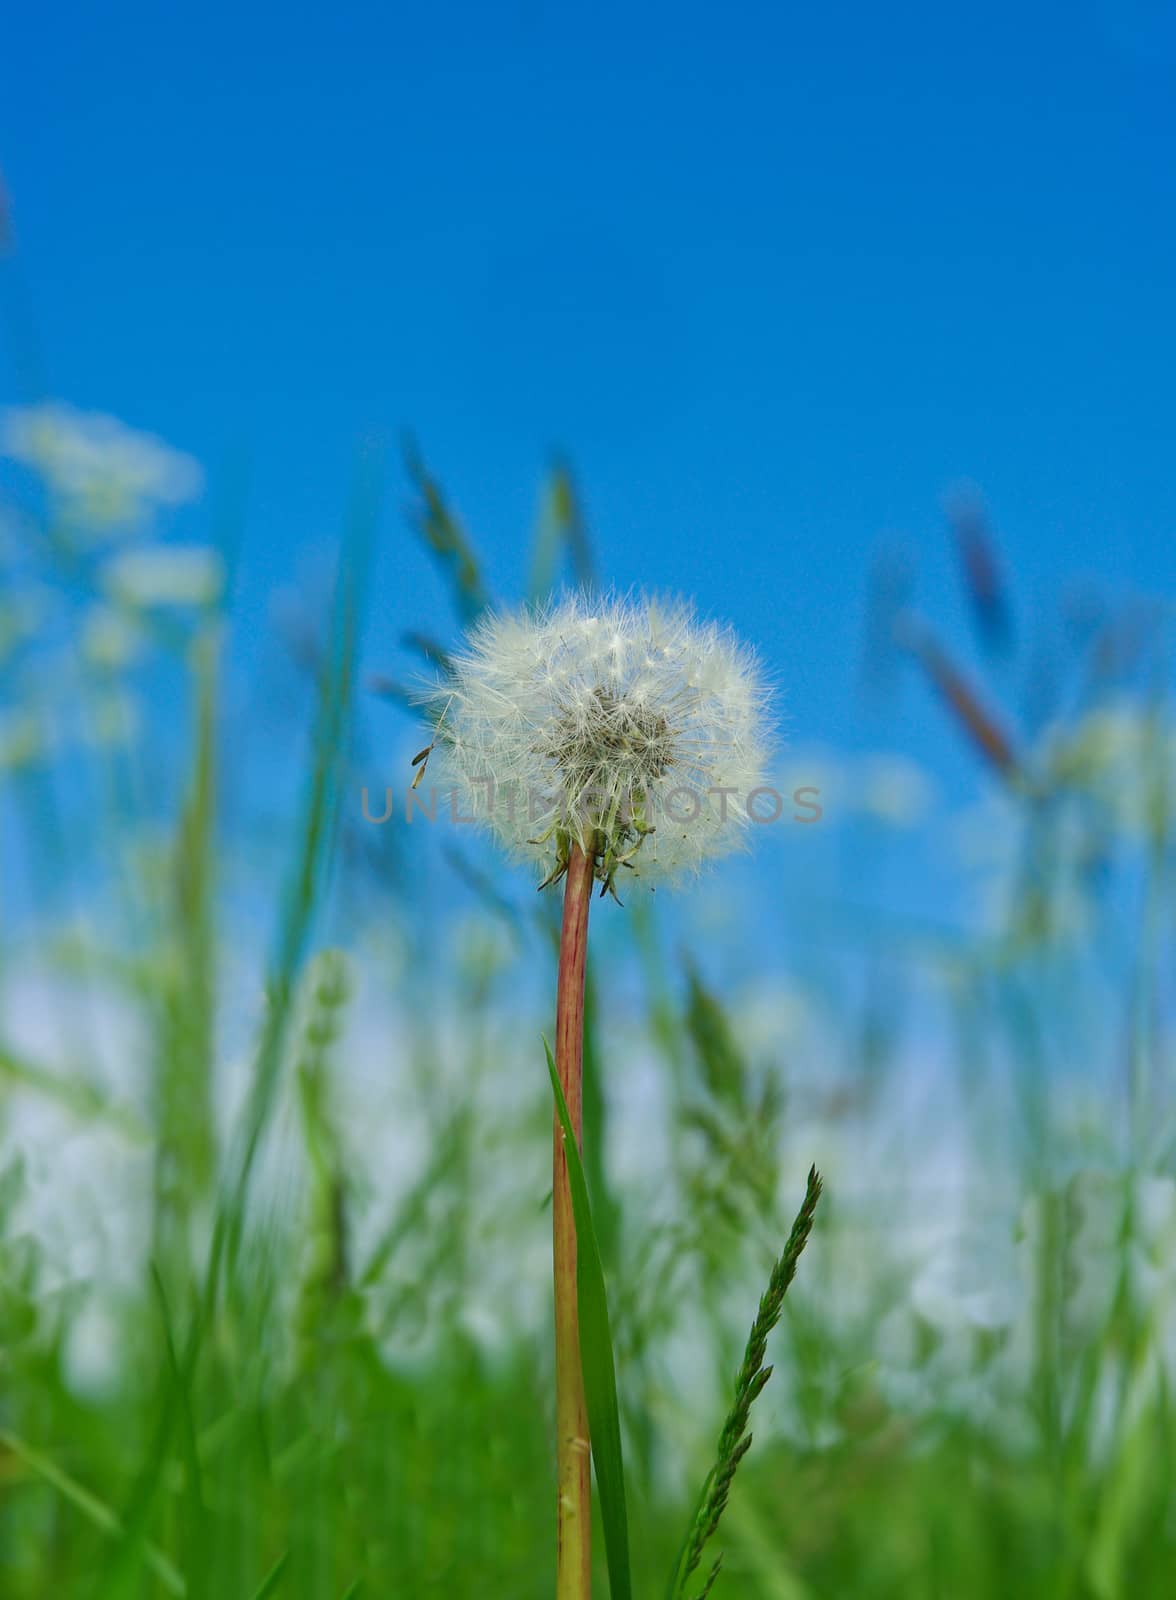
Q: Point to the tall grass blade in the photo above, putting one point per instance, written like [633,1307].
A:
[596,1359]
[186,1002]
[195,1510]
[75,1092]
[308,880]
[96,1511]
[272,1578]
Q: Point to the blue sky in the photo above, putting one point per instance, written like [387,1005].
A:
[774,278]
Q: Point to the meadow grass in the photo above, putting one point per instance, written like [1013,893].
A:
[280,1369]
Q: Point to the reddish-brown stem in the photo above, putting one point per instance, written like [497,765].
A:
[573,1467]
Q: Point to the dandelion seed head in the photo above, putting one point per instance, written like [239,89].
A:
[629,727]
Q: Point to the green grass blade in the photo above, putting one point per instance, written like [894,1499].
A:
[186,998]
[311,864]
[96,1511]
[596,1360]
[195,1514]
[75,1092]
[605,1211]
[272,1578]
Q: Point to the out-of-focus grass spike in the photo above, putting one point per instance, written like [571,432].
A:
[984,580]
[1124,639]
[328,984]
[723,1068]
[889,592]
[561,530]
[444,535]
[978,722]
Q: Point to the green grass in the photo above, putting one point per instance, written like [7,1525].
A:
[306,1351]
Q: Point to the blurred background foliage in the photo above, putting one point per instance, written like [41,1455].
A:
[274,1305]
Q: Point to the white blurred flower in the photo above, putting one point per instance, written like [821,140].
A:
[630,728]
[774,1016]
[1123,753]
[101,474]
[165,575]
[1103,739]
[991,840]
[963,1287]
[893,789]
[93,1348]
[814,767]
[111,640]
[114,721]
[1154,1198]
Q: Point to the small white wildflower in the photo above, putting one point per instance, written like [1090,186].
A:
[114,720]
[165,575]
[1124,755]
[631,729]
[112,639]
[894,790]
[101,474]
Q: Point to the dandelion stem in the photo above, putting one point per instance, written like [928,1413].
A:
[573,1467]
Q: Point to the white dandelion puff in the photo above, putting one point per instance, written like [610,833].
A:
[632,729]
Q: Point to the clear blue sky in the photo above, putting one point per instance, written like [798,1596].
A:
[774,276]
